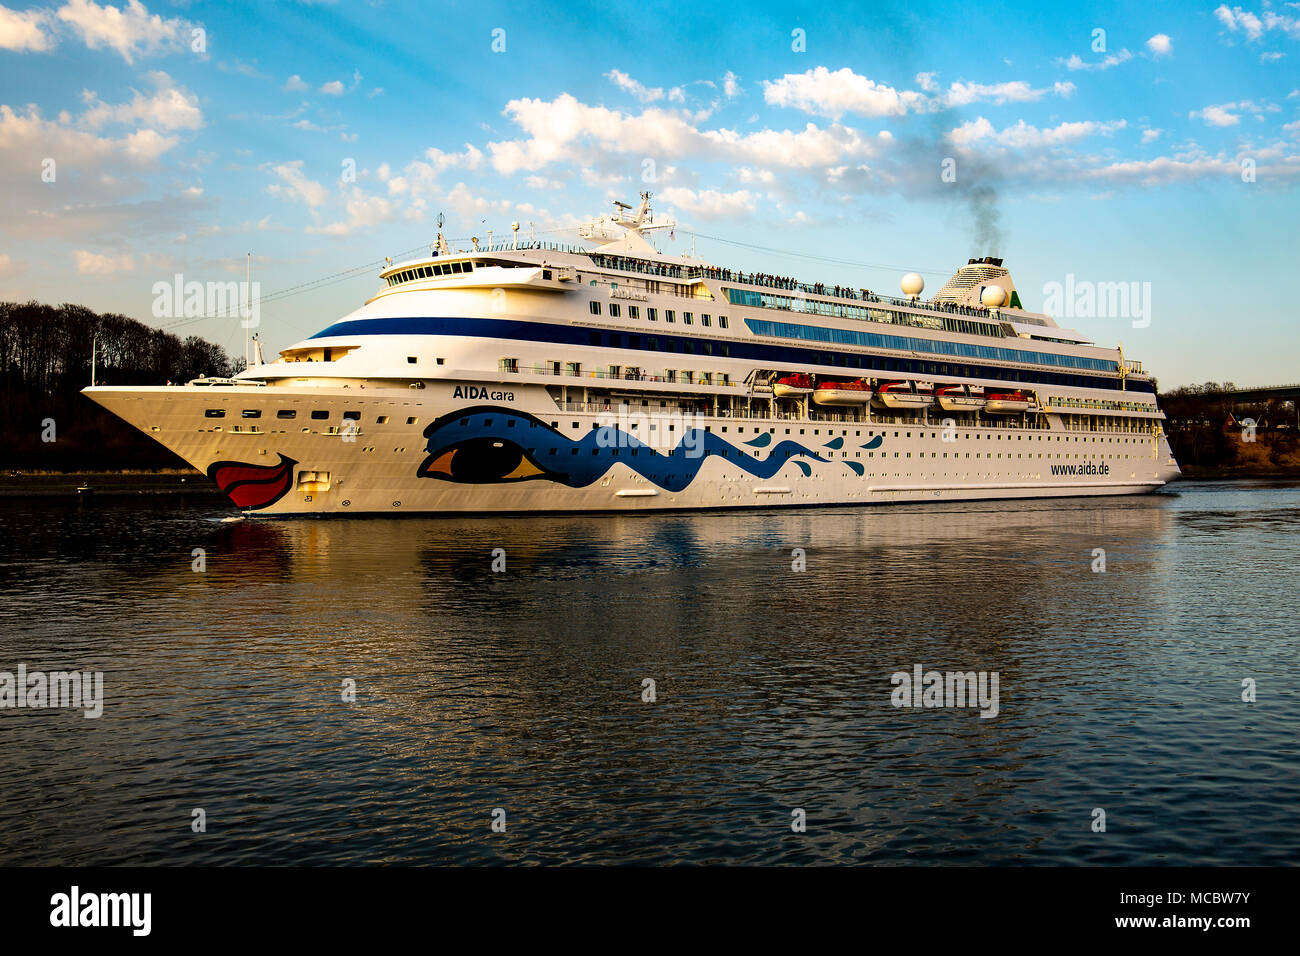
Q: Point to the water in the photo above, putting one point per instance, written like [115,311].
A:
[1119,690]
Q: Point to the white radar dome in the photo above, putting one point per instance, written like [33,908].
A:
[912,284]
[993,296]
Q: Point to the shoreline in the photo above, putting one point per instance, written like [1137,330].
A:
[169,481]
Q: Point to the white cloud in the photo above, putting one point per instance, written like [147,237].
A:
[25,30]
[1253,26]
[1075,62]
[1151,135]
[1160,45]
[1226,114]
[830,94]
[295,84]
[363,210]
[642,92]
[730,85]
[1235,19]
[27,135]
[332,88]
[1271,57]
[709,203]
[170,107]
[97,264]
[130,30]
[294,185]
[1024,136]
[564,130]
[833,94]
[1017,91]
[146,145]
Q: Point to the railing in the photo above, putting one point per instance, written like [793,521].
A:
[681,378]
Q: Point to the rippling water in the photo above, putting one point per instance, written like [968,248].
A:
[522,690]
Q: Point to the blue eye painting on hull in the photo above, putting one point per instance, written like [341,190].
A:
[488,445]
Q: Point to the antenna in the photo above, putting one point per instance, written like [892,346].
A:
[248,307]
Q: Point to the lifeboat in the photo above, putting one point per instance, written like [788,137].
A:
[1008,403]
[960,398]
[856,392]
[900,395]
[792,386]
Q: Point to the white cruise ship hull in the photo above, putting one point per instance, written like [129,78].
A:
[303,466]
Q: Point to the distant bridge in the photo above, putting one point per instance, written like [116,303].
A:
[1264,393]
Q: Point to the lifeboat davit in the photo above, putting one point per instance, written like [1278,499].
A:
[902,396]
[856,392]
[960,398]
[1007,403]
[792,386]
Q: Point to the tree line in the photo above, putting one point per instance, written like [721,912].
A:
[45,359]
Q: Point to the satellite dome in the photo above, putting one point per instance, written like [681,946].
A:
[912,284]
[993,296]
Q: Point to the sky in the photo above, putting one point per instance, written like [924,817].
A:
[1086,144]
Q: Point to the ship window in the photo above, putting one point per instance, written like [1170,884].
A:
[286,413]
[320,413]
[411,421]
[705,320]
[652,315]
[633,312]
[467,266]
[352,416]
[615,310]
[457,268]
[251,413]
[686,318]
[670,315]
[722,321]
[546,273]
[382,420]
[215,413]
[595,310]
[410,360]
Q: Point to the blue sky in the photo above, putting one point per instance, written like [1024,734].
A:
[322,137]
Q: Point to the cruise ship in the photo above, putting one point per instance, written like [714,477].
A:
[529,376]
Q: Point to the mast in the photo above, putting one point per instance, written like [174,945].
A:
[248,304]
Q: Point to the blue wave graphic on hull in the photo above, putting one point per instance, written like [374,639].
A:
[488,445]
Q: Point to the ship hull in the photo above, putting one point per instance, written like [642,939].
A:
[435,451]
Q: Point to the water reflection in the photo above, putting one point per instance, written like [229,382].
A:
[523,689]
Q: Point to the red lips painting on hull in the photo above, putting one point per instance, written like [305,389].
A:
[253,486]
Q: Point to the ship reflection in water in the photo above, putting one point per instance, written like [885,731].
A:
[523,689]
